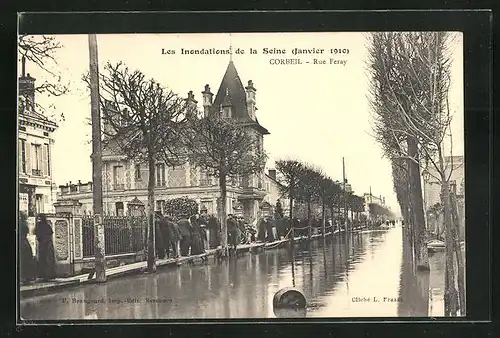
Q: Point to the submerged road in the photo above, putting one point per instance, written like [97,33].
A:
[364,275]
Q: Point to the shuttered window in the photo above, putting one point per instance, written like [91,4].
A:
[45,162]
[47,159]
[22,156]
[36,159]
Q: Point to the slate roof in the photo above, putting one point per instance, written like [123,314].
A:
[231,91]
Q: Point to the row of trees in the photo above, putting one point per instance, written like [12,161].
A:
[306,184]
[410,83]
[149,123]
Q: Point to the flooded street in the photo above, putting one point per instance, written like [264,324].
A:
[363,276]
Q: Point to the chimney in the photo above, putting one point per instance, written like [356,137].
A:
[23,72]
[250,94]
[27,87]
[207,100]
[191,102]
[272,173]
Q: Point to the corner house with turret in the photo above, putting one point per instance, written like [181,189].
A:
[125,182]
[35,139]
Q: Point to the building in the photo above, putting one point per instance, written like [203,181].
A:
[125,181]
[274,192]
[35,141]
[455,167]
[432,185]
[372,199]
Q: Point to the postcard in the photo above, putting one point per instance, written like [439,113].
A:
[237,175]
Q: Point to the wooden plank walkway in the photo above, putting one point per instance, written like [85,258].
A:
[141,267]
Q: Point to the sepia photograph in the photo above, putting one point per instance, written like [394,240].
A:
[215,176]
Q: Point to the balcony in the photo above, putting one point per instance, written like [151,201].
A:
[36,172]
[118,186]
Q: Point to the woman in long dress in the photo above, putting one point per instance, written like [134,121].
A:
[46,253]
[197,246]
[214,226]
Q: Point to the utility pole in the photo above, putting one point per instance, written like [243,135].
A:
[345,195]
[100,258]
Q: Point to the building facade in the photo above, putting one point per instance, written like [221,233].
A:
[455,168]
[125,180]
[35,141]
[432,187]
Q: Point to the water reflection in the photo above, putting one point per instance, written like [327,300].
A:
[362,275]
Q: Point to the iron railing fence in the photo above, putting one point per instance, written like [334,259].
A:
[122,234]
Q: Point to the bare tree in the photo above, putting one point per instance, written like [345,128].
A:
[411,73]
[145,123]
[224,149]
[309,181]
[41,51]
[387,90]
[289,174]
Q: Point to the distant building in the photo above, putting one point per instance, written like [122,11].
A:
[372,199]
[125,181]
[432,186]
[274,192]
[35,140]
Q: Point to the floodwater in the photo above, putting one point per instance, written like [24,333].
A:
[361,276]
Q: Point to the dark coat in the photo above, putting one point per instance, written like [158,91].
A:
[46,253]
[184,227]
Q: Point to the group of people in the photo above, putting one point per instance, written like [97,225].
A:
[193,235]
[174,237]
[185,235]
[42,265]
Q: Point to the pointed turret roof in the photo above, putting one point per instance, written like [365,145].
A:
[231,91]
[231,86]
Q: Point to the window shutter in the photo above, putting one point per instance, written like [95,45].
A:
[29,148]
[20,156]
[48,159]
[44,160]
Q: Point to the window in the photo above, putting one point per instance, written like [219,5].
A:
[119,208]
[159,205]
[118,177]
[160,175]
[268,186]
[137,172]
[39,204]
[205,178]
[36,153]
[177,177]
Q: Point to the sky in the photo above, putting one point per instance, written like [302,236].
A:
[316,113]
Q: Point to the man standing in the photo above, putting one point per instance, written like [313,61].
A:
[185,228]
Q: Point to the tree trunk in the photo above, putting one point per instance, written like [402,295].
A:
[333,220]
[450,292]
[422,256]
[223,221]
[323,220]
[150,214]
[309,220]
[458,255]
[292,226]
[99,246]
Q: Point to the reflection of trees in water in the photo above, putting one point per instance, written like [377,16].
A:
[413,286]
[292,259]
[317,281]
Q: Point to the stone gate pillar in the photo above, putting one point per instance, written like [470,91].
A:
[63,239]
